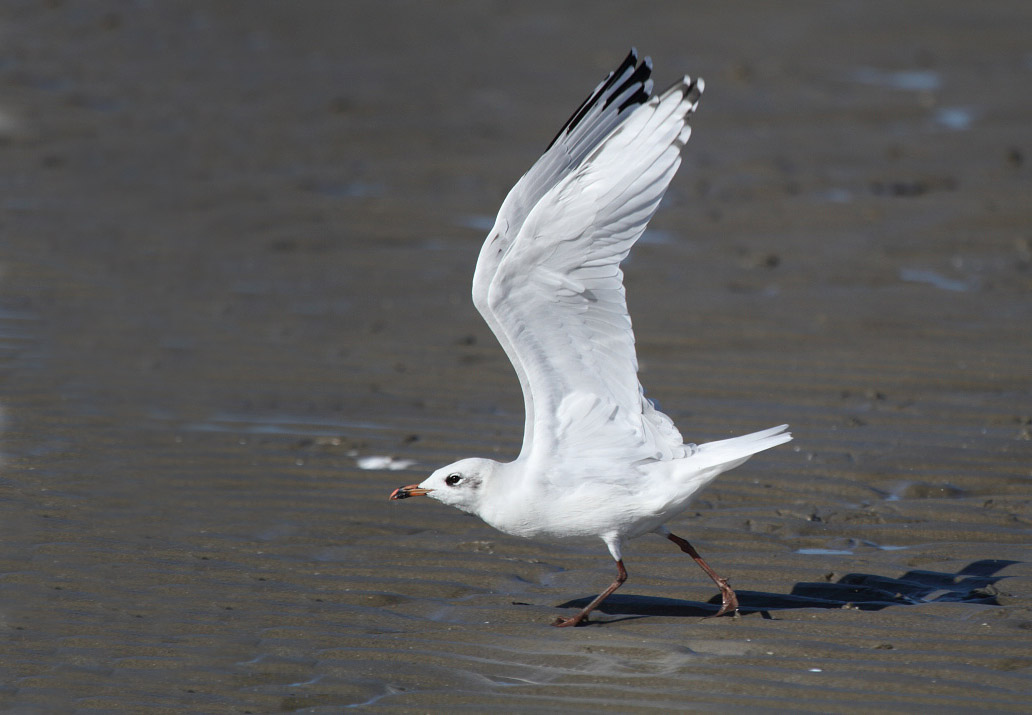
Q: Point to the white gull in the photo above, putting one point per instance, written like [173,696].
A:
[598,458]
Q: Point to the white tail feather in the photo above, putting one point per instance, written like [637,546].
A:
[729,453]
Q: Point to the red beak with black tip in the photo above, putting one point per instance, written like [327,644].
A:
[412,490]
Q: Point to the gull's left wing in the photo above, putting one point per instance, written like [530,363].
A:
[612,101]
[548,280]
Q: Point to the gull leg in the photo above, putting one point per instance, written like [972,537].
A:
[730,600]
[621,576]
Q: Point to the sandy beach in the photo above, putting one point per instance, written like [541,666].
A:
[236,248]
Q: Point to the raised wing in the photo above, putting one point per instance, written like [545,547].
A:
[612,101]
[548,280]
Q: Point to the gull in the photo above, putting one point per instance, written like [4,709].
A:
[598,459]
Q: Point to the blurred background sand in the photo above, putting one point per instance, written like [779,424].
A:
[235,254]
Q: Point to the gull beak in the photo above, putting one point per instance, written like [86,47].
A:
[412,490]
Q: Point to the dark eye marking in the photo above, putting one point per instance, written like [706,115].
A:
[452,479]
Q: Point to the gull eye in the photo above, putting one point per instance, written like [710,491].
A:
[452,479]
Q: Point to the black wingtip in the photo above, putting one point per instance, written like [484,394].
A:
[640,73]
[641,76]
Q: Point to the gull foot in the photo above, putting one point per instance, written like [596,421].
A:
[561,622]
[728,609]
[729,601]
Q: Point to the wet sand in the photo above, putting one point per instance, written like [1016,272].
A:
[235,257]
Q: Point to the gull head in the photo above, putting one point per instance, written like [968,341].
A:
[460,485]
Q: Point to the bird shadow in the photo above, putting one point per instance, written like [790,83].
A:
[866,592]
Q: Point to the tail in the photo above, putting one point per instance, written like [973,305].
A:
[709,460]
[729,453]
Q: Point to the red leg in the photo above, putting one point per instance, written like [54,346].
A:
[621,576]
[730,600]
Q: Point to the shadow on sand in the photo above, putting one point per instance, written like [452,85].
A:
[867,592]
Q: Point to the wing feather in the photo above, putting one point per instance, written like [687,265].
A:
[548,281]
